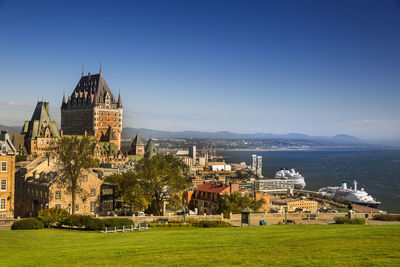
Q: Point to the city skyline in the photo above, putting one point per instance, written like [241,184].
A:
[209,66]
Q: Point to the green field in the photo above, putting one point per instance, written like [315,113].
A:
[299,245]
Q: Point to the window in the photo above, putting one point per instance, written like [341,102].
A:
[3,185]
[58,206]
[85,178]
[58,194]
[92,206]
[3,202]
[4,149]
[4,166]
[93,192]
[76,207]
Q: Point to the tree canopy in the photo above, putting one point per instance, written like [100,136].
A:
[74,154]
[234,202]
[152,182]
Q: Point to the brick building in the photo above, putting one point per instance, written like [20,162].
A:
[93,108]
[40,131]
[37,188]
[7,176]
[205,197]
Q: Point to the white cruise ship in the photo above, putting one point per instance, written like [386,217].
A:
[356,196]
[292,175]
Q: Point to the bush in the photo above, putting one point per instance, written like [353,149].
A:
[211,224]
[387,217]
[345,220]
[94,224]
[118,222]
[53,216]
[174,224]
[25,224]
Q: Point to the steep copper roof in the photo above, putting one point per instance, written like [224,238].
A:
[93,89]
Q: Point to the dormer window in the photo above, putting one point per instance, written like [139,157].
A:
[107,100]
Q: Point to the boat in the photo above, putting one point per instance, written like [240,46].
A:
[291,175]
[360,197]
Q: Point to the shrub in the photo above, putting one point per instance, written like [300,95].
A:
[345,220]
[53,216]
[94,224]
[117,222]
[387,217]
[176,224]
[211,224]
[24,224]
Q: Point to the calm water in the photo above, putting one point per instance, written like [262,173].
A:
[378,171]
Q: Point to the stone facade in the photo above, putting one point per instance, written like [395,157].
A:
[92,108]
[7,176]
[37,188]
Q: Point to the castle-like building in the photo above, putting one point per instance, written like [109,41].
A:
[92,108]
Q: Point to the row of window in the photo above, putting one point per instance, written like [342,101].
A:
[92,193]
[92,206]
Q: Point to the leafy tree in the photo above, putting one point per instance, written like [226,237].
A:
[130,190]
[152,182]
[163,176]
[234,202]
[74,155]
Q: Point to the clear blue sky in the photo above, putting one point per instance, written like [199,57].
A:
[315,67]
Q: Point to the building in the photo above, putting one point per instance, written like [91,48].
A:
[137,146]
[254,163]
[192,153]
[40,131]
[93,108]
[302,205]
[267,206]
[37,188]
[7,176]
[259,167]
[205,197]
[219,166]
[150,150]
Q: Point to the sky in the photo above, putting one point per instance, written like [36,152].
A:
[312,67]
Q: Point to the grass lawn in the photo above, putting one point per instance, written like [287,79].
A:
[299,245]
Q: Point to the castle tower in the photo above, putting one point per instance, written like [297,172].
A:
[40,131]
[150,150]
[93,108]
[137,147]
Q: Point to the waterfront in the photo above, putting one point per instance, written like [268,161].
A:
[377,170]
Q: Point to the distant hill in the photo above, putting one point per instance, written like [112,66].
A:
[146,133]
[11,129]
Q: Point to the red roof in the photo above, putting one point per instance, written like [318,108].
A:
[212,187]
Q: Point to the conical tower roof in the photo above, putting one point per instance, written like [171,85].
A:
[137,141]
[151,149]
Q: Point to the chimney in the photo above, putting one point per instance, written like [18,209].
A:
[61,133]
[85,134]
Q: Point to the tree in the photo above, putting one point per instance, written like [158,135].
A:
[234,202]
[74,154]
[130,190]
[163,177]
[152,182]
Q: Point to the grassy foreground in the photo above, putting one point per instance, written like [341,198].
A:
[300,245]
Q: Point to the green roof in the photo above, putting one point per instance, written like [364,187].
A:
[137,141]
[151,149]
[40,123]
